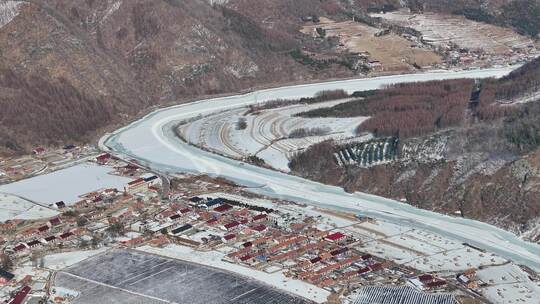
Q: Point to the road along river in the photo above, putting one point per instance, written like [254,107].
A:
[152,142]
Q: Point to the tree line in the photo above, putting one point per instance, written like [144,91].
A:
[35,109]
[408,109]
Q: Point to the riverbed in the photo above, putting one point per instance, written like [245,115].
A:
[152,141]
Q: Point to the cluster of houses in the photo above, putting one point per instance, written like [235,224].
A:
[265,239]
[41,159]
[66,232]
[251,234]
[47,234]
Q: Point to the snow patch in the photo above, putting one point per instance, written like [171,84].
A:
[113,8]
[12,207]
[508,284]
[8,11]
[66,184]
[62,260]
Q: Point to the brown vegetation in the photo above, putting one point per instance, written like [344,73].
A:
[407,110]
[518,84]
[523,15]
[34,108]
[123,60]
[321,96]
[489,170]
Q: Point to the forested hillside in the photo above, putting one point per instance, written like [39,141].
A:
[480,158]
[126,56]
[406,110]
[113,59]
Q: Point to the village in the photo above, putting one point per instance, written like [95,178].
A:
[332,252]
[403,41]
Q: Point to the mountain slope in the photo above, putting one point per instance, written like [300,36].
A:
[129,55]
[485,165]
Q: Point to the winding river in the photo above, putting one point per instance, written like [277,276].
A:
[152,142]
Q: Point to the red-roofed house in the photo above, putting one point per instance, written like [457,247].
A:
[259,228]
[231,225]
[66,235]
[212,221]
[20,296]
[335,236]
[223,208]
[259,217]
[425,278]
[55,221]
[138,185]
[103,158]
[228,237]
[20,248]
[38,150]
[185,210]
[43,228]
[50,239]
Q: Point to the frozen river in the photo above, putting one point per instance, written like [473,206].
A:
[151,141]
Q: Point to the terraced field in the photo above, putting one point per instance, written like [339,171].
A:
[441,30]
[268,133]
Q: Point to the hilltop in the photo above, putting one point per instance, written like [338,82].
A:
[71,69]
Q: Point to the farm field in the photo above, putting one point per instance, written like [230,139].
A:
[121,276]
[397,295]
[267,134]
[394,53]
[441,30]
[508,284]
[66,184]
[12,207]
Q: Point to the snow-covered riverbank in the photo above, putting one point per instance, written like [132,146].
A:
[152,141]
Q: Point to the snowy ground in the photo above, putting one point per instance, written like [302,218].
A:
[276,279]
[420,249]
[267,132]
[62,260]
[442,29]
[12,207]
[8,11]
[66,184]
[456,260]
[151,141]
[508,284]
[127,276]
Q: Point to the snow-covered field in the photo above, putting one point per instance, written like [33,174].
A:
[66,184]
[267,132]
[422,250]
[213,258]
[132,276]
[456,260]
[508,284]
[62,260]
[441,30]
[13,207]
[151,140]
